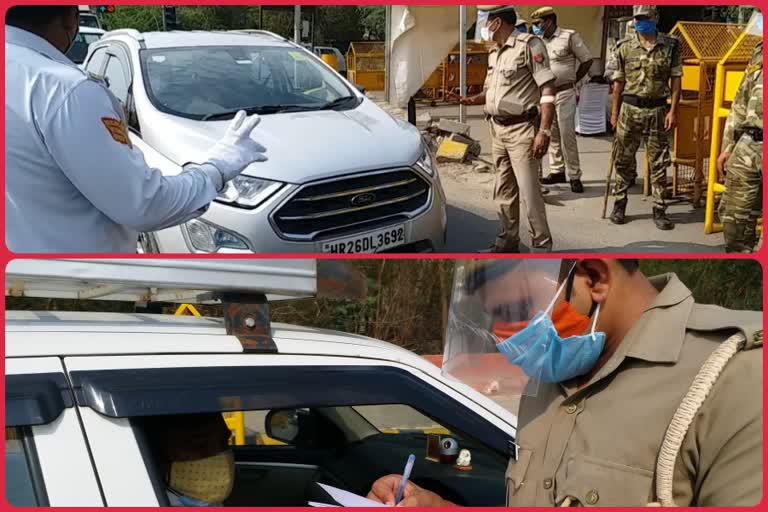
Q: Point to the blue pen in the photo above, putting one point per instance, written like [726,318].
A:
[406,476]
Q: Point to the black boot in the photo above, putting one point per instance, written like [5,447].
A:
[553,178]
[576,186]
[619,211]
[661,220]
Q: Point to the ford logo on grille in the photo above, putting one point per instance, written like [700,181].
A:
[363,199]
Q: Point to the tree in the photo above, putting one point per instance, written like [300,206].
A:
[373,20]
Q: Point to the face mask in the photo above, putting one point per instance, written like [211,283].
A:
[645,26]
[208,480]
[566,320]
[542,352]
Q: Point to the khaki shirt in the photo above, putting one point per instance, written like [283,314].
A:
[600,444]
[646,72]
[516,71]
[747,108]
[567,52]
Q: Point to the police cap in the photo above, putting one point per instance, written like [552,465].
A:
[542,12]
[644,10]
[493,10]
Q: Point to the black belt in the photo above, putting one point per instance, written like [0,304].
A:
[756,134]
[641,102]
[512,120]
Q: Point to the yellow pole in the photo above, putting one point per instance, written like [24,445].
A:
[714,152]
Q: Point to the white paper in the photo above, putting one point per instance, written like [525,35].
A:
[345,499]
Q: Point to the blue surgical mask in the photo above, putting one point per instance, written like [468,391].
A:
[542,354]
[645,27]
[538,31]
[522,29]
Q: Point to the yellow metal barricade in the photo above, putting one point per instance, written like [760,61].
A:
[235,420]
[728,76]
[365,65]
[702,46]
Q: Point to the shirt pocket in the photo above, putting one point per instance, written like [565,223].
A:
[597,482]
[661,65]
[559,54]
[516,471]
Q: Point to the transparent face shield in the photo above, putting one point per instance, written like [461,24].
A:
[492,300]
[755,25]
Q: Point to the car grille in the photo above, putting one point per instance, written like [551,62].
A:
[348,205]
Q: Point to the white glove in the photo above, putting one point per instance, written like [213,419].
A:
[237,150]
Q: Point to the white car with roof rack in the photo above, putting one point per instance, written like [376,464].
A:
[342,176]
[79,384]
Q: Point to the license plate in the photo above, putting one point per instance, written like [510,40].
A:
[375,241]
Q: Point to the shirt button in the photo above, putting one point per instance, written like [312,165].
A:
[592,497]
[571,408]
[548,483]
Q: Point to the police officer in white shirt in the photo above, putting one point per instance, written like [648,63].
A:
[74,182]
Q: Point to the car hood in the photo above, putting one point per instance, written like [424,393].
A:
[301,146]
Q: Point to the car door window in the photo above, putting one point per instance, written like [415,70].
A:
[300,426]
[19,487]
[117,79]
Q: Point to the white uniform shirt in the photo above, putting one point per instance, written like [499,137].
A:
[73,180]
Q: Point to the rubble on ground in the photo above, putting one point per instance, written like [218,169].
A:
[449,140]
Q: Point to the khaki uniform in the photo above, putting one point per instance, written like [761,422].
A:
[516,71]
[599,444]
[567,52]
[742,203]
[646,74]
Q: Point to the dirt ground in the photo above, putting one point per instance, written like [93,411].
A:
[574,219]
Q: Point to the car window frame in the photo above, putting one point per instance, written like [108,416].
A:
[122,53]
[33,466]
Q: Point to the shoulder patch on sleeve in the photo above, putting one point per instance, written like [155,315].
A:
[117,130]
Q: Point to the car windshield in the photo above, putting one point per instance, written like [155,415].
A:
[214,82]
[89,20]
[79,48]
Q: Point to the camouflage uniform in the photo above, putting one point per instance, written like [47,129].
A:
[741,204]
[646,73]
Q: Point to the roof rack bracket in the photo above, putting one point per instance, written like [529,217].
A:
[247,317]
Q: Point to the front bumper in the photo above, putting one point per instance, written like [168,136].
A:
[425,232]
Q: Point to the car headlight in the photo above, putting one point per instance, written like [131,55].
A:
[426,161]
[206,237]
[247,192]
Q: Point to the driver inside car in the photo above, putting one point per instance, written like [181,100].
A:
[194,457]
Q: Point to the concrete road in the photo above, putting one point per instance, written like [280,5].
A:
[574,219]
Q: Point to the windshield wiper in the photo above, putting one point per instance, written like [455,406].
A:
[338,102]
[263,109]
[229,114]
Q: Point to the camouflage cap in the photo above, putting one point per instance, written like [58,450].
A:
[496,9]
[542,12]
[644,10]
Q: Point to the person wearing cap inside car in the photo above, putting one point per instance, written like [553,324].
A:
[648,71]
[570,61]
[610,356]
[193,457]
[742,155]
[518,82]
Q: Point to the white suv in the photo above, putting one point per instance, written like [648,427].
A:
[343,176]
[317,406]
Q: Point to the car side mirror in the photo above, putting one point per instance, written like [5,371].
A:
[284,424]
